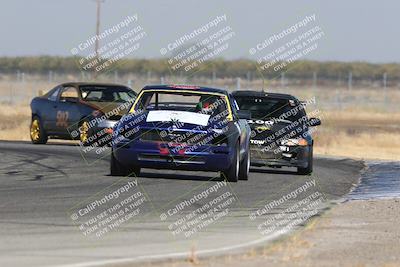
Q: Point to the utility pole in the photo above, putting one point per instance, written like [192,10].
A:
[98,4]
[238,83]
[384,87]
[214,76]
[314,80]
[350,81]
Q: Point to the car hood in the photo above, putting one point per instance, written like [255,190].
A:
[171,119]
[275,129]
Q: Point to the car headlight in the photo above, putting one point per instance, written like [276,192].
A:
[294,142]
[118,133]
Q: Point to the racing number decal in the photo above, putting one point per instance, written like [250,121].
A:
[62,119]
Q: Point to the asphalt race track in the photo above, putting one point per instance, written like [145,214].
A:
[44,187]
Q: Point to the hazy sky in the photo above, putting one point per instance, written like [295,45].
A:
[357,30]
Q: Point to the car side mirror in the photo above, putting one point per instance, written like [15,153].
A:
[244,114]
[314,122]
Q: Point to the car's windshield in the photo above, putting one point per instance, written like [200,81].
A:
[211,104]
[106,94]
[263,108]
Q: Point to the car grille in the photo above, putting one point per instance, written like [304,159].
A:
[172,159]
[173,136]
[263,135]
[258,152]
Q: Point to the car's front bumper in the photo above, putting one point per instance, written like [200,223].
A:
[157,155]
[293,156]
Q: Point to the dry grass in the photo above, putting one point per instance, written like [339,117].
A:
[363,145]
[363,119]
[22,92]
[14,122]
[360,134]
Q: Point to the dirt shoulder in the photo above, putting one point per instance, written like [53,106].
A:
[356,233]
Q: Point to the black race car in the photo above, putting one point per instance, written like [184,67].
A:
[83,111]
[280,130]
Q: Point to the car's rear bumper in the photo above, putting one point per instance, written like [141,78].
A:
[158,155]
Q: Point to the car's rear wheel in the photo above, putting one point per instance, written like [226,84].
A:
[37,133]
[117,169]
[309,168]
[244,168]
[84,130]
[232,173]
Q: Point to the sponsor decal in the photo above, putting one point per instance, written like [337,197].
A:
[269,123]
[262,128]
[178,116]
[258,142]
[62,119]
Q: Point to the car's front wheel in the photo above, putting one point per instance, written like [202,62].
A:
[309,168]
[232,173]
[37,133]
[244,168]
[117,169]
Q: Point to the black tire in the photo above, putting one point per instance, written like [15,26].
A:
[134,171]
[309,169]
[117,169]
[37,133]
[232,173]
[244,168]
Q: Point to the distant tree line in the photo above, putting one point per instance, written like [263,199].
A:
[220,68]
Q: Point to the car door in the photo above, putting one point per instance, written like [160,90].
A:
[67,110]
[49,111]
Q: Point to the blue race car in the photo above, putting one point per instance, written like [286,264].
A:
[183,127]
[77,110]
